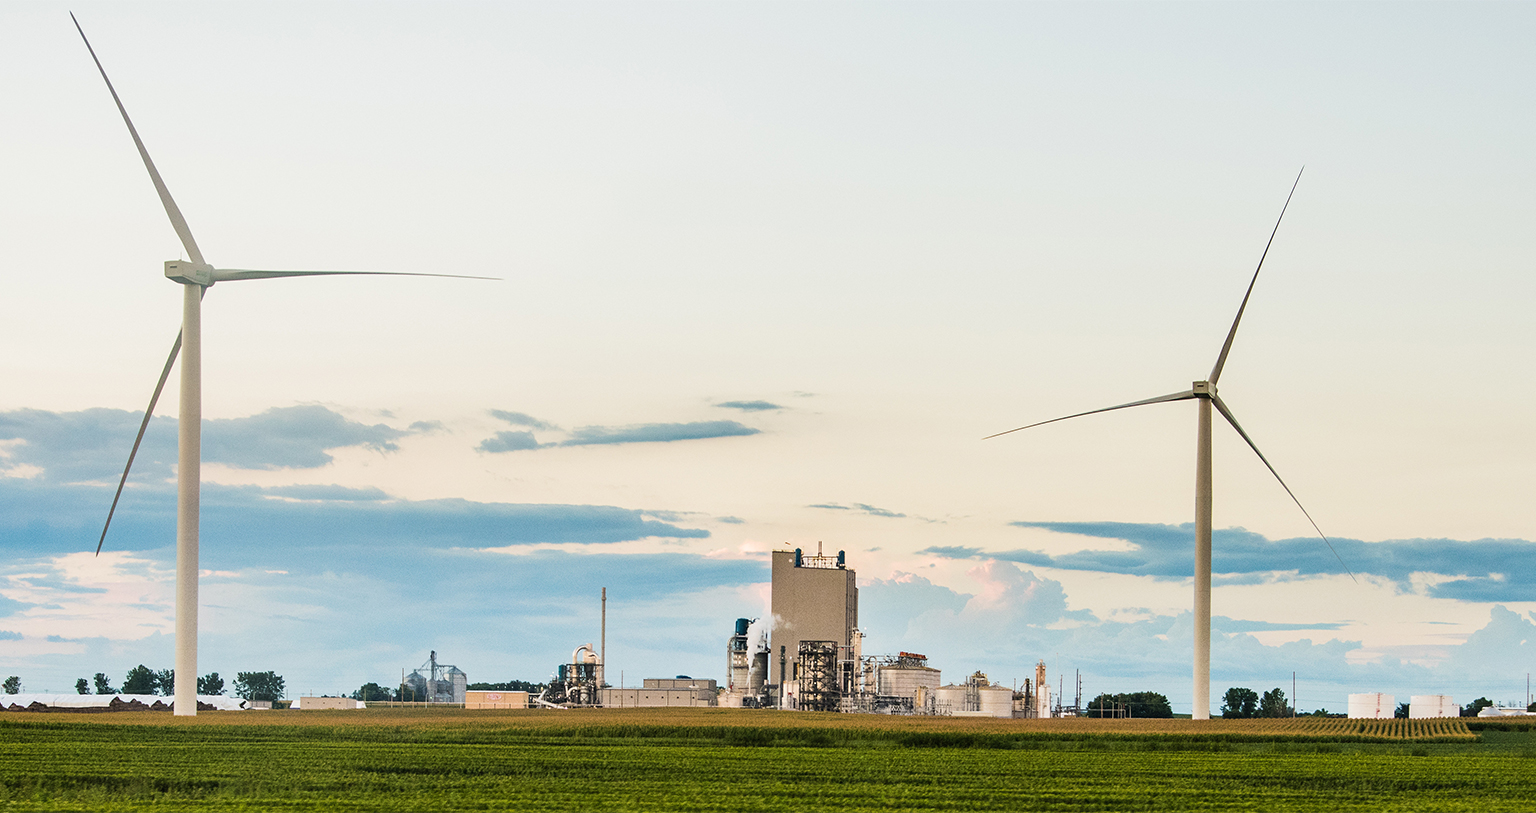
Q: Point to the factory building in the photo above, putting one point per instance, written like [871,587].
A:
[815,599]
[495,700]
[811,657]
[664,692]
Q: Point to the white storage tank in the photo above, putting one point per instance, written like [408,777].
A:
[904,679]
[1372,706]
[996,701]
[1423,706]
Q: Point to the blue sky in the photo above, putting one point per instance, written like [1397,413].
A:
[769,273]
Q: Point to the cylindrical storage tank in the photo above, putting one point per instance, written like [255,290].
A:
[1423,706]
[997,701]
[742,624]
[902,680]
[949,699]
[1372,706]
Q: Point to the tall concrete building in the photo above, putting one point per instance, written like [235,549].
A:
[815,598]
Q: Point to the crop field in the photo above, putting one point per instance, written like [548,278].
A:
[718,759]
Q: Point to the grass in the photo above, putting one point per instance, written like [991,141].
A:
[719,759]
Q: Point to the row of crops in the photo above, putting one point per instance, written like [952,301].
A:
[398,761]
[760,728]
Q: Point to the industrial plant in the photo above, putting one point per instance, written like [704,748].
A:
[808,656]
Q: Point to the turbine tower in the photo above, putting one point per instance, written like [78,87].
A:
[196,277]
[1205,393]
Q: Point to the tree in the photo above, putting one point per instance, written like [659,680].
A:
[1402,711]
[509,686]
[1133,704]
[259,685]
[1471,709]
[13,685]
[139,680]
[82,686]
[165,682]
[1240,703]
[103,686]
[1273,704]
[372,691]
[210,683]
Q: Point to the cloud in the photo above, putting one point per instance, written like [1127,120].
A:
[294,437]
[749,406]
[656,433]
[339,618]
[859,507]
[522,419]
[1484,570]
[1008,618]
[92,444]
[322,522]
[325,492]
[1223,624]
[509,442]
[10,607]
[609,435]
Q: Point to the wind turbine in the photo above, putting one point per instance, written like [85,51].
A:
[1205,393]
[196,277]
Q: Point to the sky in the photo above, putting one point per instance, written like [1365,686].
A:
[767,275]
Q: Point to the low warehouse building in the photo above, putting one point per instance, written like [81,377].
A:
[663,692]
[322,703]
[495,700]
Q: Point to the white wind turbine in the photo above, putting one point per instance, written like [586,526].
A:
[196,277]
[1205,393]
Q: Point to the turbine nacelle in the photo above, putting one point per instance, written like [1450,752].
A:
[1203,389]
[189,273]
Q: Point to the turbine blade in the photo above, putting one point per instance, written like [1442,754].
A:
[226,274]
[177,221]
[1221,360]
[1177,396]
[132,453]
[1227,413]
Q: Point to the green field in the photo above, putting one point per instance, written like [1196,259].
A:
[706,759]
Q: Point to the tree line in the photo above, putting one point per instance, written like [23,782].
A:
[143,680]
[1242,703]
[1133,704]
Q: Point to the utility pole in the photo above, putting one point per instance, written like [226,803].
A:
[602,658]
[1293,694]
